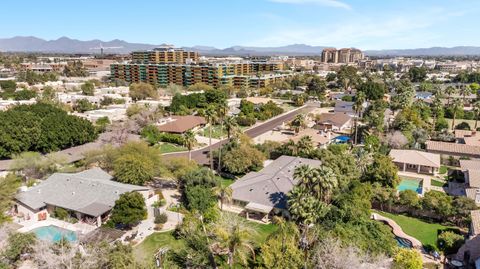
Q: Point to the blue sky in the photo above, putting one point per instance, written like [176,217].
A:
[366,24]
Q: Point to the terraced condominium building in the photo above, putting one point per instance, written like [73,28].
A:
[236,75]
[164,55]
[167,65]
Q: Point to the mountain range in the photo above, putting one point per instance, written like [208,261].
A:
[68,45]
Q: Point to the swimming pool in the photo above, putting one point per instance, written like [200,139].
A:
[403,243]
[54,234]
[410,184]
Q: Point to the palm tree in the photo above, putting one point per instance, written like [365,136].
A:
[233,237]
[320,181]
[224,194]
[298,123]
[305,145]
[221,113]
[210,115]
[457,105]
[449,91]
[189,141]
[476,109]
[359,100]
[230,124]
[437,109]
[464,91]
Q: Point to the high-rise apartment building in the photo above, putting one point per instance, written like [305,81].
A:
[346,55]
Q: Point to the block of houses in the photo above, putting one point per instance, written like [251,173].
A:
[88,196]
[333,122]
[260,194]
[416,161]
[180,124]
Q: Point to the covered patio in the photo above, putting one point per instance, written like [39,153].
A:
[258,212]
[419,162]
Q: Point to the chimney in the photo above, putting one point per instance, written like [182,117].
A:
[477,196]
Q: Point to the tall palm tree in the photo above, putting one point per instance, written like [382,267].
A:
[210,115]
[224,194]
[305,145]
[457,105]
[298,123]
[222,110]
[230,124]
[233,237]
[476,109]
[189,141]
[437,109]
[359,100]
[320,181]
[449,91]
[464,91]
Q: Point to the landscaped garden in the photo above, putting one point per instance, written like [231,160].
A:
[423,231]
[217,132]
[438,183]
[168,148]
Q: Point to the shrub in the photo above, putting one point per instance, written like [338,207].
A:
[245,120]
[60,213]
[161,218]
[450,242]
[463,126]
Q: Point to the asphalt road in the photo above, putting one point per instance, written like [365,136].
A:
[201,155]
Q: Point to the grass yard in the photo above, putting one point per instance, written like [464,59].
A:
[216,132]
[145,251]
[167,148]
[438,183]
[443,169]
[263,231]
[226,181]
[423,231]
[458,121]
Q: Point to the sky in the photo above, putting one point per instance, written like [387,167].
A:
[365,24]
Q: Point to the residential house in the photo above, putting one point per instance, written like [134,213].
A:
[471,172]
[458,150]
[262,193]
[344,107]
[88,195]
[333,122]
[416,161]
[180,124]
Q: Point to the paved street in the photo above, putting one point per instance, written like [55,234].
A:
[201,155]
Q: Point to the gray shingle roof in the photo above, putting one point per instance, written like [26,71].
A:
[92,192]
[270,186]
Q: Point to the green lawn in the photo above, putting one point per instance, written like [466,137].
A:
[421,230]
[443,169]
[216,131]
[145,251]
[263,231]
[167,148]
[437,183]
[226,181]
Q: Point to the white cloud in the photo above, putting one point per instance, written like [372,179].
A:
[364,32]
[328,3]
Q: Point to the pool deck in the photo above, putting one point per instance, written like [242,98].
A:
[81,228]
[397,230]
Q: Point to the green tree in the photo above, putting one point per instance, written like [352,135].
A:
[449,91]
[210,116]
[476,110]
[242,159]
[409,198]
[417,74]
[407,258]
[133,169]
[129,209]
[450,242]
[224,193]
[438,202]
[88,88]
[141,91]
[8,189]
[358,106]
[373,90]
[281,248]
[298,123]
[83,105]
[230,125]
[457,107]
[383,171]
[189,141]
[233,235]
[347,77]
[18,244]
[199,198]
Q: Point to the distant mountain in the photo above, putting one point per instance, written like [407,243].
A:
[68,45]
[433,51]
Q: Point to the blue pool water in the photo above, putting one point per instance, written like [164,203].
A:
[54,234]
[410,184]
[403,243]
